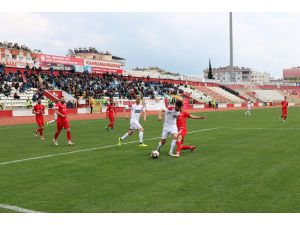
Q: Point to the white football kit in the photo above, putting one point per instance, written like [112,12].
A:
[136,111]
[249,105]
[170,126]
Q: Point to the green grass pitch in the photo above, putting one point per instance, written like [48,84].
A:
[238,167]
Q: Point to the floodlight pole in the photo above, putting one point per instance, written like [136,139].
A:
[231,45]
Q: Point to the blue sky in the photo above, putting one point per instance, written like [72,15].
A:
[178,42]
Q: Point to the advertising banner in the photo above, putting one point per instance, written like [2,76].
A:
[17,63]
[102,64]
[106,70]
[43,58]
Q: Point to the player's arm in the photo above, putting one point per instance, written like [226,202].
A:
[145,114]
[160,113]
[43,110]
[125,111]
[58,113]
[107,113]
[33,111]
[198,117]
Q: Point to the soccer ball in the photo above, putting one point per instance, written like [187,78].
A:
[154,154]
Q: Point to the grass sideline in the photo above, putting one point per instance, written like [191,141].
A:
[232,170]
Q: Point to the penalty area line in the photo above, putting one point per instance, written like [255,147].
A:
[17,209]
[90,149]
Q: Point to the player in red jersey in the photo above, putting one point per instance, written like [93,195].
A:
[39,111]
[62,121]
[110,114]
[284,105]
[182,131]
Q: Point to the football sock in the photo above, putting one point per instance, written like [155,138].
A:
[184,147]
[56,134]
[41,132]
[69,135]
[178,143]
[141,136]
[159,146]
[124,136]
[173,144]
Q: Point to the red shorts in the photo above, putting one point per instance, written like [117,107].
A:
[182,132]
[62,123]
[284,112]
[111,118]
[40,121]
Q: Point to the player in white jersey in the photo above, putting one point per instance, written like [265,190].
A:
[136,110]
[249,107]
[170,125]
[54,114]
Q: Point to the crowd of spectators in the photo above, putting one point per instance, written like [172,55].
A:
[81,85]
[109,85]
[16,83]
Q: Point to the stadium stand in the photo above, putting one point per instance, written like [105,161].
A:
[227,95]
[268,95]
[197,95]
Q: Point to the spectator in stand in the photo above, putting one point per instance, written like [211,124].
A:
[69,105]
[16,96]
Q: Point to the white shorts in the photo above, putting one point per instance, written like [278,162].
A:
[135,125]
[167,131]
[55,116]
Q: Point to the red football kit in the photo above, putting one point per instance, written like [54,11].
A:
[62,122]
[181,123]
[182,130]
[284,105]
[110,113]
[39,111]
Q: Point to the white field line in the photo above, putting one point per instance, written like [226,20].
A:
[89,149]
[259,128]
[17,209]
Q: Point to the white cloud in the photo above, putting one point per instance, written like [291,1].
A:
[180,42]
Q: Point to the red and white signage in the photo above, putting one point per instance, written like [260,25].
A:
[60,60]
[104,70]
[17,63]
[57,94]
[102,64]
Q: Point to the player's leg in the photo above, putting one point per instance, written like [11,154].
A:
[51,121]
[141,136]
[111,123]
[163,139]
[54,120]
[126,135]
[58,130]
[59,127]
[178,143]
[69,136]
[66,125]
[173,143]
[161,143]
[284,115]
[42,124]
[186,147]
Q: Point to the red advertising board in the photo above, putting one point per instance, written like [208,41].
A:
[43,58]
[105,70]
